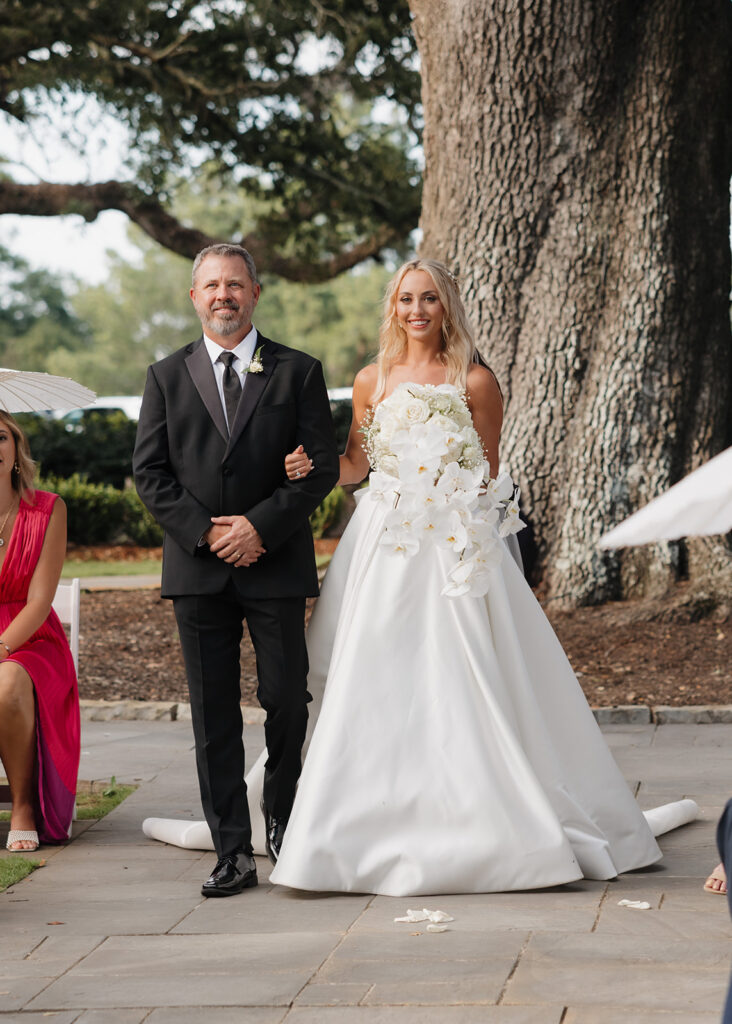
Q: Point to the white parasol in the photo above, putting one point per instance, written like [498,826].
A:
[26,391]
[698,505]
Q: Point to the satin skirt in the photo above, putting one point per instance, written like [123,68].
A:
[454,750]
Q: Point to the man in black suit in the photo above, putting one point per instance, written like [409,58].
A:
[217,419]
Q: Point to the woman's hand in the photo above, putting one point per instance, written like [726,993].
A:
[297,464]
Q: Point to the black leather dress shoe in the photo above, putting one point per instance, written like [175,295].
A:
[275,833]
[233,872]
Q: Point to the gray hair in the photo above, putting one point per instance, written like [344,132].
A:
[225,249]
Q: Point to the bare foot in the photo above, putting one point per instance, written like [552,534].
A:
[717,881]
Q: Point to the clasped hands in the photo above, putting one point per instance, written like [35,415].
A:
[234,539]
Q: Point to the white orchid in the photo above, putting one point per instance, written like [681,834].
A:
[471,576]
[481,528]
[501,488]
[400,542]
[512,521]
[455,478]
[383,485]
[419,466]
[451,533]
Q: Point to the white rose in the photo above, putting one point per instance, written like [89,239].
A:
[415,411]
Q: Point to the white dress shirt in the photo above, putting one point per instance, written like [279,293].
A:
[243,354]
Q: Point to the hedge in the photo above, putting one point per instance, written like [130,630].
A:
[101,514]
[98,446]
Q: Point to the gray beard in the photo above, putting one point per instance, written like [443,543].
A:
[226,325]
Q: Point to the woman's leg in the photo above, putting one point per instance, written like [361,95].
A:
[18,745]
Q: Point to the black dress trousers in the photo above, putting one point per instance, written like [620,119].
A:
[211,629]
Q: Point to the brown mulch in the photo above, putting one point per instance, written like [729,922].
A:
[627,653]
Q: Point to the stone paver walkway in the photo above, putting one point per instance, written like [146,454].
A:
[113,929]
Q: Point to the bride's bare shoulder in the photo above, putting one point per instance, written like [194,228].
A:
[364,385]
[367,377]
[482,385]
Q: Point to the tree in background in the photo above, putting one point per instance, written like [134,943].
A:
[578,159]
[143,312]
[37,318]
[289,99]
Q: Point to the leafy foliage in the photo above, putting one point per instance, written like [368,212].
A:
[36,317]
[328,512]
[100,514]
[312,107]
[99,445]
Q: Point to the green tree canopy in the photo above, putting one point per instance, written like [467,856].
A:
[280,96]
[36,317]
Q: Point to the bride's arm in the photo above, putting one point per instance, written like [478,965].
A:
[354,461]
[486,407]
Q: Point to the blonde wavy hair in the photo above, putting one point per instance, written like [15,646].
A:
[24,469]
[458,343]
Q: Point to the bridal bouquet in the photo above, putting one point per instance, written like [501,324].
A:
[428,460]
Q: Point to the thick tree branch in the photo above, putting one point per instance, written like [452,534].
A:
[48,199]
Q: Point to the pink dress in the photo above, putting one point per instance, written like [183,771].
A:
[47,659]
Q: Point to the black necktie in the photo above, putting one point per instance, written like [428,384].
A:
[232,387]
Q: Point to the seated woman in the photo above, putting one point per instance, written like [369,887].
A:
[39,698]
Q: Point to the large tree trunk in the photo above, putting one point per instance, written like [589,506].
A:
[578,162]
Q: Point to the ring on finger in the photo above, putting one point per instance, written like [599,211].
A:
[298,473]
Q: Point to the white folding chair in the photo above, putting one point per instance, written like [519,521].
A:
[66,605]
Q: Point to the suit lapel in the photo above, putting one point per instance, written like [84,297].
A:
[254,385]
[202,374]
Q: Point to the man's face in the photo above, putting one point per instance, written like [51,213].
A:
[224,296]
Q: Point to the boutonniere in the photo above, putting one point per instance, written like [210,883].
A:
[255,363]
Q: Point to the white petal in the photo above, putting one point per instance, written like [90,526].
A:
[437,916]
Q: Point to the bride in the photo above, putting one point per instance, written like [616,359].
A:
[455,751]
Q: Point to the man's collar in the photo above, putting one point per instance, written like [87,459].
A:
[243,351]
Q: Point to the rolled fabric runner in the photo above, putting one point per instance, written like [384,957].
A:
[191,835]
[196,835]
[669,816]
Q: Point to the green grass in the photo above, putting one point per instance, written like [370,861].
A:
[76,567]
[15,867]
[96,802]
[93,801]
[145,567]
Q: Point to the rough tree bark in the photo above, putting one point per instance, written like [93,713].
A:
[578,163]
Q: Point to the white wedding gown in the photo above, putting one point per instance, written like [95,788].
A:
[454,751]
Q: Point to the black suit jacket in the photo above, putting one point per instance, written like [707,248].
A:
[187,469]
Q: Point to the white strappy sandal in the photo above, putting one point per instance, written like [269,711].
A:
[16,835]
